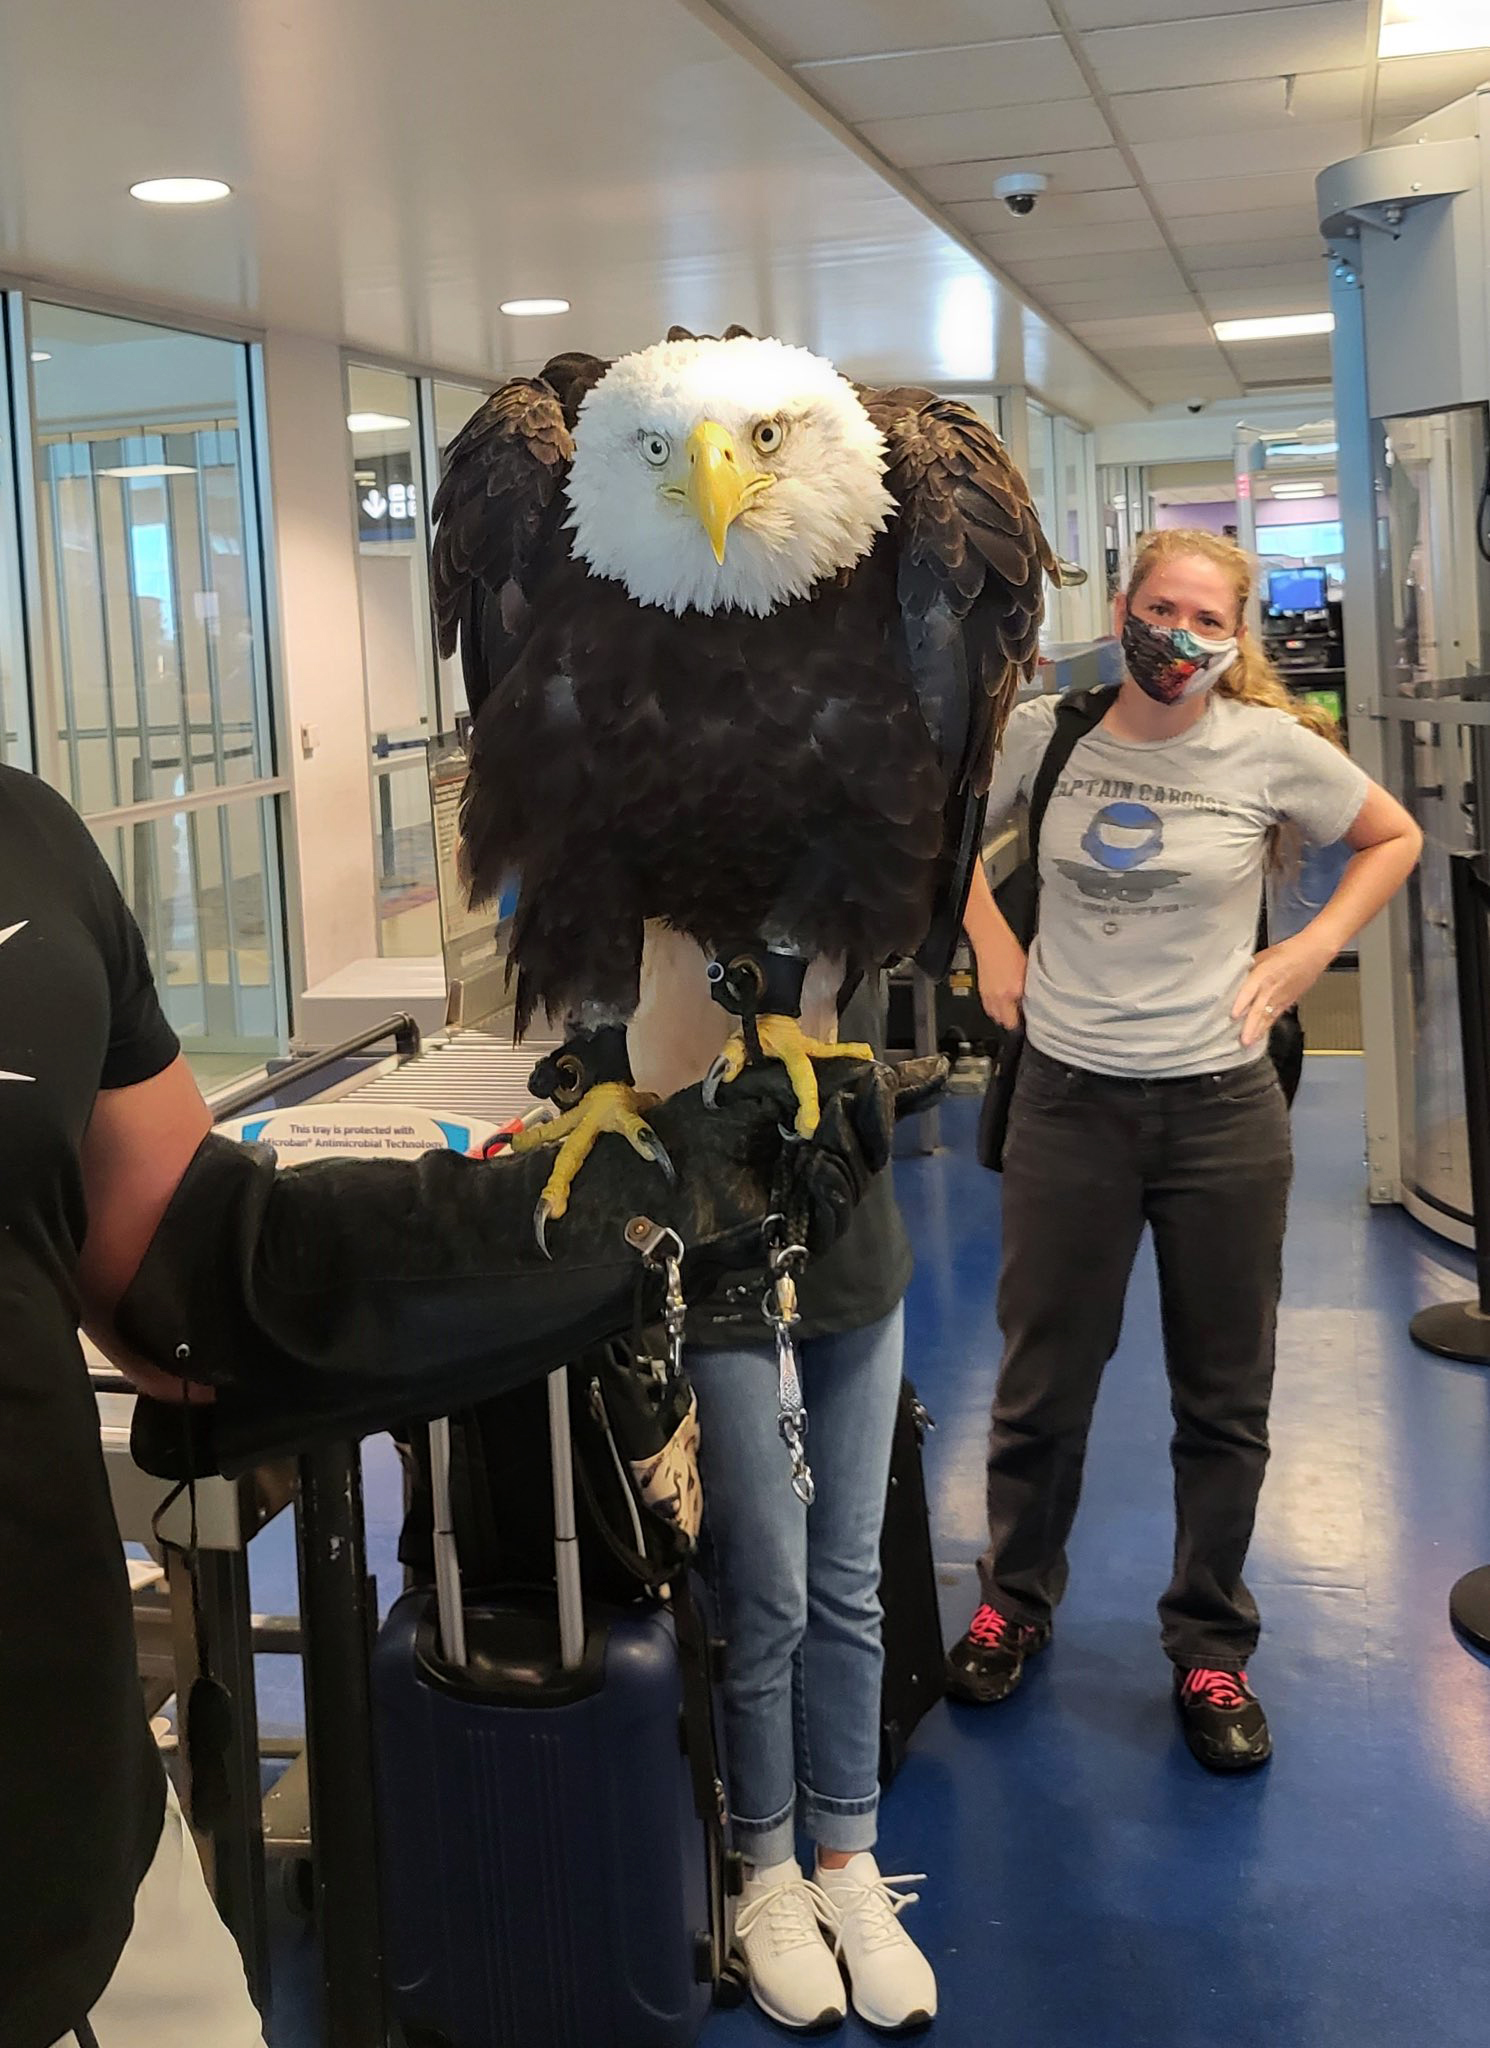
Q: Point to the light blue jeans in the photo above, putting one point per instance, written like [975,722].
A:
[798,1588]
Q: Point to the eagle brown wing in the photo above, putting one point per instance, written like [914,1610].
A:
[498,516]
[971,564]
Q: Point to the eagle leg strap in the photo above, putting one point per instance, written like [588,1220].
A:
[755,980]
[584,1061]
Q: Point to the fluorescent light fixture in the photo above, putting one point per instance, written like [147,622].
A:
[179,191]
[1298,490]
[1429,28]
[533,309]
[41,355]
[375,422]
[138,469]
[1274,328]
[1286,450]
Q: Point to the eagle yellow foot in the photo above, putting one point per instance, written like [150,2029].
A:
[783,1039]
[611,1106]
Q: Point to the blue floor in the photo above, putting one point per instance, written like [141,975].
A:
[1088,1884]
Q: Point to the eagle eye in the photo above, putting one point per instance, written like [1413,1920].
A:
[656,449]
[768,436]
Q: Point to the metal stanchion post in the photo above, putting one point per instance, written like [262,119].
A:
[1461,1329]
[337,1617]
[930,1120]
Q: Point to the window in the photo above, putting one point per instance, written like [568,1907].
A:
[400,429]
[153,711]
[15,732]
[397,649]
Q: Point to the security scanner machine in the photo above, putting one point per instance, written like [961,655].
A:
[1408,225]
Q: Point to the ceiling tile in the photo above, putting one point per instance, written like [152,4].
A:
[1128,13]
[1003,131]
[1265,294]
[801,30]
[995,74]
[1234,195]
[1145,330]
[1092,238]
[1250,43]
[1407,88]
[1273,253]
[1280,226]
[1134,266]
[1069,170]
[1244,106]
[1309,147]
[1242,276]
[1111,297]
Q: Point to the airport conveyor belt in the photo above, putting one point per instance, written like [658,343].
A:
[465,1073]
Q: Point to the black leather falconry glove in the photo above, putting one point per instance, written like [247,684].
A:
[336,1298]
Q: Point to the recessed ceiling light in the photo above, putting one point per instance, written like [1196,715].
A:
[138,469]
[375,422]
[179,191]
[1275,328]
[41,355]
[1423,28]
[532,309]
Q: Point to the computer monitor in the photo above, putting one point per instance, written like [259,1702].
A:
[1297,590]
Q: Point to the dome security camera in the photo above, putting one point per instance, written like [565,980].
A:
[1195,405]
[1019,191]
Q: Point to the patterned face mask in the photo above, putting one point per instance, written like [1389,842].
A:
[1171,664]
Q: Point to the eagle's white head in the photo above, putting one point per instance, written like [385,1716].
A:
[710,474]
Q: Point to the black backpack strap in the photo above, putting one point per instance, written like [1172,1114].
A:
[1076,715]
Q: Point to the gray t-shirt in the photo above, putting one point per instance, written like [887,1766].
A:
[1151,866]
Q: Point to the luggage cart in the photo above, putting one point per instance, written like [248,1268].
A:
[193,1614]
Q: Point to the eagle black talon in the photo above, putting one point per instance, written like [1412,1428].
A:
[652,1148]
[714,1080]
[542,1216]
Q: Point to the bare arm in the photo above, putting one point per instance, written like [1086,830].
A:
[997,954]
[1386,844]
[138,1145]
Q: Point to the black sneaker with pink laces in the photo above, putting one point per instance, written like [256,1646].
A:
[1223,1720]
[988,1663]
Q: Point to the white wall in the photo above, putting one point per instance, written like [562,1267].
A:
[320,648]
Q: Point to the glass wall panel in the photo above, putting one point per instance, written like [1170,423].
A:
[397,646]
[1435,590]
[155,686]
[204,888]
[143,515]
[15,715]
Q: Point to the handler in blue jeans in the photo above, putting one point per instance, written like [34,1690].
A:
[798,1594]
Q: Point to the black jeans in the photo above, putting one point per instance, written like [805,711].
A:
[1207,1164]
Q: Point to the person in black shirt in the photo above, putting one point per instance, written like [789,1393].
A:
[335,1297]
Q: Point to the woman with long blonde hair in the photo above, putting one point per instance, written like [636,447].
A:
[1146,1099]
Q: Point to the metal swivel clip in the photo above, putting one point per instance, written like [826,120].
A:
[662,1250]
[784,1263]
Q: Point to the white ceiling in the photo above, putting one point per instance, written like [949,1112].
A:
[1182,139]
[817,168]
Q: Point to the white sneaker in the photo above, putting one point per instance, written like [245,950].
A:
[779,1931]
[893,1985]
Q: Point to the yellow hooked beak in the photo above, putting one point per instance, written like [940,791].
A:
[719,487]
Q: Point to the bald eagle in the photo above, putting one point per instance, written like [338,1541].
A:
[739,638]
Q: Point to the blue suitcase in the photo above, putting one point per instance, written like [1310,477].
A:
[551,1878]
